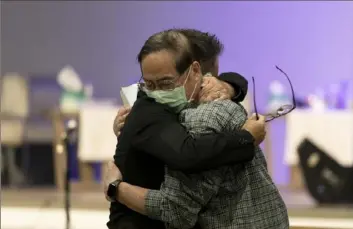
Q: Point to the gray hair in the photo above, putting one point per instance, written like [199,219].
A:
[170,40]
[188,45]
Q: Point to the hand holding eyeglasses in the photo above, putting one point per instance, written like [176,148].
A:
[255,125]
[283,110]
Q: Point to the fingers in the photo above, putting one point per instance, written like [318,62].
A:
[124,111]
[213,97]
[222,97]
[121,118]
[254,117]
[204,86]
[261,118]
[205,89]
[207,98]
[209,84]
[205,81]
[214,94]
[121,112]
[213,90]
[120,126]
[204,99]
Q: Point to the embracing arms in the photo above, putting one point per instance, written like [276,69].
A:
[172,204]
[161,135]
[165,138]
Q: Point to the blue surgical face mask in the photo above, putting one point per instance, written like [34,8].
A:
[175,98]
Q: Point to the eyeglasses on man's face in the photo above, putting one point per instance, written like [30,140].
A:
[282,110]
[165,84]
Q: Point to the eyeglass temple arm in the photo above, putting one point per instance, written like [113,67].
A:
[254,99]
[291,86]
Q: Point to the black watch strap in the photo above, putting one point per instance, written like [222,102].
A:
[112,190]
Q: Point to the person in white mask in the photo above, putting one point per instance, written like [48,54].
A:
[173,64]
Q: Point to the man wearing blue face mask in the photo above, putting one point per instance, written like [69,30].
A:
[172,77]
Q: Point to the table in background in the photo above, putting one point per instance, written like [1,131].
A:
[332,131]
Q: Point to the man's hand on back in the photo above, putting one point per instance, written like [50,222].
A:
[120,119]
[212,89]
[215,89]
[256,128]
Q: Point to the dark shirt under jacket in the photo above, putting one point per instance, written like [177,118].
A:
[152,137]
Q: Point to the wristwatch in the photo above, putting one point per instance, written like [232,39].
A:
[112,190]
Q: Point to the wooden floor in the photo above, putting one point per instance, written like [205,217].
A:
[299,204]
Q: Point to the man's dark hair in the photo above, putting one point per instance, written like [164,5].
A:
[188,45]
[205,47]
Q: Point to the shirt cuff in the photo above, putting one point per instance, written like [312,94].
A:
[153,202]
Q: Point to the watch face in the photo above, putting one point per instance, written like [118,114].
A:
[112,192]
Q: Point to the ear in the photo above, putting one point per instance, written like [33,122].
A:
[196,67]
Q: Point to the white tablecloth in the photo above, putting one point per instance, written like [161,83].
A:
[96,139]
[330,130]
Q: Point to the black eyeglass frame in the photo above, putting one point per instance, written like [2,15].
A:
[282,110]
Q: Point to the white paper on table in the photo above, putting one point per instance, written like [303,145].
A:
[96,139]
[129,94]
